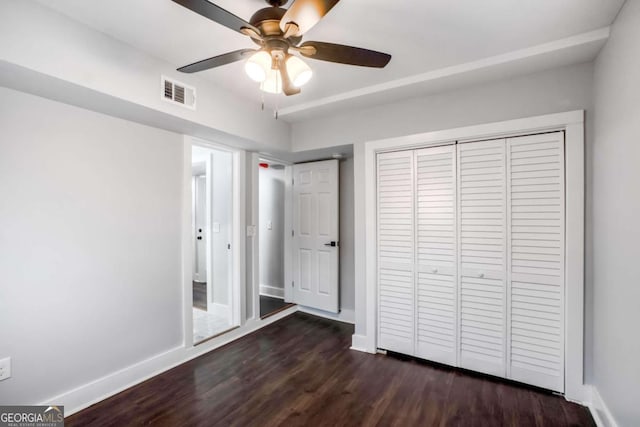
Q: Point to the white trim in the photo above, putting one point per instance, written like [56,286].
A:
[288,238]
[187,257]
[345,315]
[95,391]
[574,263]
[272,291]
[600,411]
[596,36]
[359,343]
[573,124]
[255,238]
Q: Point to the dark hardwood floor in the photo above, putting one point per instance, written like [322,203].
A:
[200,295]
[299,371]
[270,305]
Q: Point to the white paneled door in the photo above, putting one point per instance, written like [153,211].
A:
[315,235]
[471,256]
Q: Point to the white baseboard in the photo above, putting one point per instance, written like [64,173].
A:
[599,410]
[359,343]
[102,388]
[345,315]
[272,291]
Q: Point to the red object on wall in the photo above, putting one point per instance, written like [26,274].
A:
[264,165]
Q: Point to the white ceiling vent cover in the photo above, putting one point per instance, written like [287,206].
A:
[178,93]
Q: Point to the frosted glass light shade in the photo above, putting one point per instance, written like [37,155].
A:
[258,66]
[299,72]
[273,82]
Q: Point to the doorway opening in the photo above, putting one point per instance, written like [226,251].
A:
[271,227]
[212,231]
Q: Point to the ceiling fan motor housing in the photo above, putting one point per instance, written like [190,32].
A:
[267,20]
[277,3]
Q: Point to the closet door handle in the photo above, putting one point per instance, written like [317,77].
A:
[481,275]
[435,270]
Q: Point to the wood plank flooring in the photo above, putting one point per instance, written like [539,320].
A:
[299,371]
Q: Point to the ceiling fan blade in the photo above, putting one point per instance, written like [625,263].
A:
[344,54]
[216,14]
[287,85]
[304,14]
[216,61]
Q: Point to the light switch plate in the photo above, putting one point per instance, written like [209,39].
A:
[5,368]
[269,225]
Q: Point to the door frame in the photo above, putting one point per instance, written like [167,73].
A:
[253,230]
[237,287]
[572,123]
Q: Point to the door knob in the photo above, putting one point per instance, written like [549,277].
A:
[481,275]
[435,270]
[332,244]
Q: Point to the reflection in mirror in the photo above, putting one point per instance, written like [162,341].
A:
[211,219]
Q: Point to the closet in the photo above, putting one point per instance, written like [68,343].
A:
[470,263]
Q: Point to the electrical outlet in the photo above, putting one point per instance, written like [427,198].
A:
[5,368]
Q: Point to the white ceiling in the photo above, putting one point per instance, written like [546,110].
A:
[422,35]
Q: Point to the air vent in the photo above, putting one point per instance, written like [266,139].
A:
[178,93]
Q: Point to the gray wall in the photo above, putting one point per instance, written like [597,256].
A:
[272,190]
[552,91]
[347,275]
[90,245]
[616,225]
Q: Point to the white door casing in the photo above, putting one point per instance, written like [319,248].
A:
[315,227]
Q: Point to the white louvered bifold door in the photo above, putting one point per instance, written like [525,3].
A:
[482,256]
[535,188]
[436,281]
[396,256]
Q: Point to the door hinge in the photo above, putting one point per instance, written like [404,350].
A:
[292,282]
[292,233]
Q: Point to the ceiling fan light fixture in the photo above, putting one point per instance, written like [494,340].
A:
[273,82]
[258,66]
[299,72]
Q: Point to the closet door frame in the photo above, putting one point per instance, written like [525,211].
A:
[572,123]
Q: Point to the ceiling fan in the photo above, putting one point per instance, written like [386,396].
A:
[278,32]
